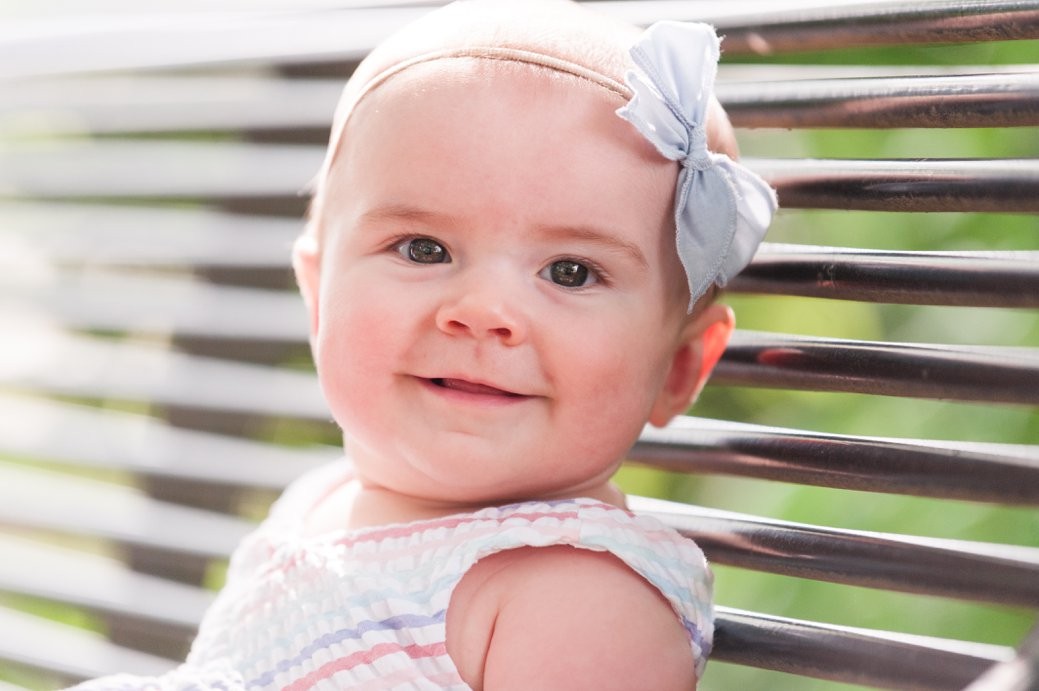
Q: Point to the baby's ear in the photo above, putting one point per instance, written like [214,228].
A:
[306,261]
[700,346]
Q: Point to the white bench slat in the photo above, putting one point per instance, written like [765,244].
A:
[175,169]
[162,103]
[45,359]
[40,234]
[73,653]
[158,304]
[52,431]
[30,567]
[81,506]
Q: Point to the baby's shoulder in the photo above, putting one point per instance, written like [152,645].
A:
[547,617]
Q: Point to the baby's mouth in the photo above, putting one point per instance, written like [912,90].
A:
[472,387]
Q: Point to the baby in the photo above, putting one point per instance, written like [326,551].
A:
[505,281]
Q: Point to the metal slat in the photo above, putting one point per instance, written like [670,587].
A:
[131,302]
[851,655]
[138,41]
[160,305]
[984,374]
[1000,473]
[969,100]
[159,170]
[43,234]
[842,25]
[970,279]
[948,568]
[346,35]
[46,360]
[156,103]
[90,367]
[72,653]
[103,510]
[997,185]
[87,437]
[223,171]
[102,585]
[167,103]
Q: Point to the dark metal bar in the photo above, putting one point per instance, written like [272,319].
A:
[93,368]
[994,375]
[879,24]
[109,512]
[955,569]
[855,656]
[148,103]
[241,171]
[999,185]
[102,585]
[86,437]
[129,302]
[264,37]
[266,175]
[970,279]
[346,35]
[145,104]
[29,642]
[975,100]
[993,473]
[175,237]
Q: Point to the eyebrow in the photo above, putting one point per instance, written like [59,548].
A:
[403,212]
[600,237]
[592,234]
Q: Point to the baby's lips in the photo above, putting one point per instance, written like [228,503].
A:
[472,387]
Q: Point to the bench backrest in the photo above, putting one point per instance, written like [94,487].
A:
[870,437]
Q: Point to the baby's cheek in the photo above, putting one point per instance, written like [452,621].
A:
[350,351]
[617,393]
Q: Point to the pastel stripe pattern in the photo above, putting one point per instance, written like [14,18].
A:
[366,609]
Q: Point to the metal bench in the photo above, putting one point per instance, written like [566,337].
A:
[155,390]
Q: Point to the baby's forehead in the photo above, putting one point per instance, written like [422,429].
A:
[557,34]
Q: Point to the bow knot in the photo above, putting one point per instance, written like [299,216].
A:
[722,209]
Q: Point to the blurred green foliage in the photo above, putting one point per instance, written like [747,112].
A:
[874,415]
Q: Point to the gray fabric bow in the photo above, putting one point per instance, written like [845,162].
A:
[722,209]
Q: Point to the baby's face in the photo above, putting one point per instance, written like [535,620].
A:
[497,308]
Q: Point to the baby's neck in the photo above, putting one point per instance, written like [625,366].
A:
[355,504]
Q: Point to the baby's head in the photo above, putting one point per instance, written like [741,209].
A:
[497,302]
[555,39]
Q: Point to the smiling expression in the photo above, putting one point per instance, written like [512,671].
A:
[496,309]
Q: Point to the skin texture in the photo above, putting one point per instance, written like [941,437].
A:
[480,380]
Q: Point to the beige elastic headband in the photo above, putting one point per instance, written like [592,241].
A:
[517,55]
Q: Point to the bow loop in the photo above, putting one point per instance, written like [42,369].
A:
[722,209]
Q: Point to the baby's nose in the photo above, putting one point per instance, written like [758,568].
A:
[484,311]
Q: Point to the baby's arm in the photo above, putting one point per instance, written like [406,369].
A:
[562,618]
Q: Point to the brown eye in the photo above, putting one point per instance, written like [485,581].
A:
[568,273]
[424,251]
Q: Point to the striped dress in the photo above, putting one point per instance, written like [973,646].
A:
[365,609]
